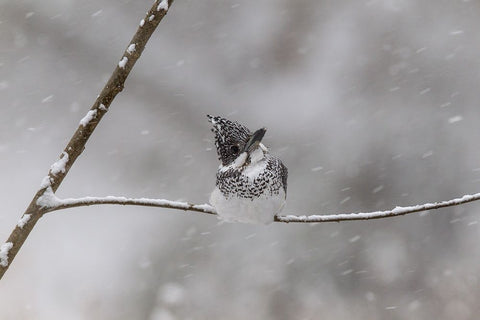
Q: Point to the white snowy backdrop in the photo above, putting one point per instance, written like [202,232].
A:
[370,104]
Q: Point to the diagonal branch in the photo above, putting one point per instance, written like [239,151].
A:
[87,125]
[51,203]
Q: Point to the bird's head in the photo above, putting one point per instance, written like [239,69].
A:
[234,141]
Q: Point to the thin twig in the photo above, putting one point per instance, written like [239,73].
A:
[397,211]
[87,125]
[51,203]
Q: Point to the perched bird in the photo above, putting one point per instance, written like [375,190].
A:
[251,184]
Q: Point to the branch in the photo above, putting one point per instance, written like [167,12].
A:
[87,125]
[397,211]
[51,203]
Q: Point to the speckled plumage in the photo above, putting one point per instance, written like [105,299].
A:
[251,186]
[268,182]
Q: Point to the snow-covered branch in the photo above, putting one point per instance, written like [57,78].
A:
[87,125]
[397,211]
[51,203]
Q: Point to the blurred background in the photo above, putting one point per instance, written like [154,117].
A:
[370,104]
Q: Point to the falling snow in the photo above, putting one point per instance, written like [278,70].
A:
[425,91]
[344,200]
[455,119]
[47,99]
[97,13]
[427,154]
[354,239]
[347,272]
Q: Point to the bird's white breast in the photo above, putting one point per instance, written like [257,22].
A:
[261,210]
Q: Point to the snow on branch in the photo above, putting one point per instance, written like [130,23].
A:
[4,253]
[397,211]
[51,203]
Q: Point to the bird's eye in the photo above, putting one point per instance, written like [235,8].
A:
[234,149]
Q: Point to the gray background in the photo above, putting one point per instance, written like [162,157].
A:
[370,104]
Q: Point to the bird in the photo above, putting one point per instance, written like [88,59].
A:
[251,184]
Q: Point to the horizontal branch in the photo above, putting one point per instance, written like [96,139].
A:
[397,211]
[51,202]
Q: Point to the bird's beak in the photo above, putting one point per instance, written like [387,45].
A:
[254,140]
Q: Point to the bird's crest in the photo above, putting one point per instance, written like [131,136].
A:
[230,138]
